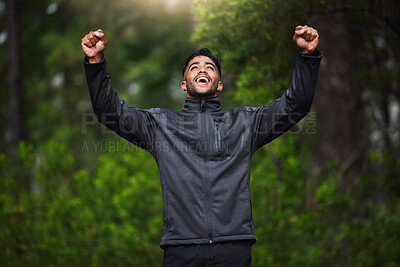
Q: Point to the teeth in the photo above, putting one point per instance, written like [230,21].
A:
[202,79]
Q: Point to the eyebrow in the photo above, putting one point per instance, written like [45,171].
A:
[207,63]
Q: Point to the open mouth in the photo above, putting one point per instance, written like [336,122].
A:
[202,79]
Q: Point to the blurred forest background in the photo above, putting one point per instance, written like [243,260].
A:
[327,193]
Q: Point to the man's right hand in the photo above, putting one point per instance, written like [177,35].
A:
[93,45]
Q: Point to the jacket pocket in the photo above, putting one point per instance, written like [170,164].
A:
[219,148]
[249,210]
[166,208]
[217,131]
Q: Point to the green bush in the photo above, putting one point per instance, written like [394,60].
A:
[73,218]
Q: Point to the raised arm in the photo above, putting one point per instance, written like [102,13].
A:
[277,117]
[133,124]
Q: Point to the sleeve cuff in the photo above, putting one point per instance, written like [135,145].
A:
[316,54]
[93,65]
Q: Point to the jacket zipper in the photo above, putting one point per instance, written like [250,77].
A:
[217,137]
[206,183]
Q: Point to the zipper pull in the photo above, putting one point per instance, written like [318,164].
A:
[203,104]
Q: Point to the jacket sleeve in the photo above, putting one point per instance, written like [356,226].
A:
[133,124]
[274,119]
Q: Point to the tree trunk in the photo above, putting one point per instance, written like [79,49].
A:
[338,102]
[16,118]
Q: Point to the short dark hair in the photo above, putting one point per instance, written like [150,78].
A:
[203,52]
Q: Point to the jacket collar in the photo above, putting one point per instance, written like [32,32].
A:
[202,104]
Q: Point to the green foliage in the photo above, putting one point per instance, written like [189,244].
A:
[303,219]
[73,218]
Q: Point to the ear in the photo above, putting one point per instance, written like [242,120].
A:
[220,86]
[183,86]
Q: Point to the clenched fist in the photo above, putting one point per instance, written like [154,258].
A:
[306,38]
[93,45]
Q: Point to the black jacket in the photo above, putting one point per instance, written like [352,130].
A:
[204,152]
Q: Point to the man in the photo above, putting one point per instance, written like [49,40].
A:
[204,152]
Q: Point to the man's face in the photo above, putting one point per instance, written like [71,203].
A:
[201,78]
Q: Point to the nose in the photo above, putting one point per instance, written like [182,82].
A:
[202,72]
[202,69]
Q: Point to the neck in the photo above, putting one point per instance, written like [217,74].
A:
[195,104]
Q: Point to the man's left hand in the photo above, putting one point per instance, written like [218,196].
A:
[306,38]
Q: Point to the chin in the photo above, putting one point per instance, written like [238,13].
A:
[204,93]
